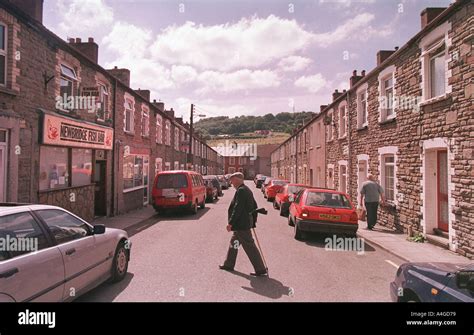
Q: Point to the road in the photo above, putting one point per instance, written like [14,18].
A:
[175,258]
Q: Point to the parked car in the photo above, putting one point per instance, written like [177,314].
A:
[211,191]
[282,201]
[322,211]
[179,189]
[273,187]
[265,184]
[257,176]
[223,182]
[433,282]
[260,181]
[60,253]
[216,183]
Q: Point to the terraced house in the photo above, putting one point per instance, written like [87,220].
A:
[410,122]
[74,134]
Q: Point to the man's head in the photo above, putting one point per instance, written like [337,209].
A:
[237,179]
[371,177]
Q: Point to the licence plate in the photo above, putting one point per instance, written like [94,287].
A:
[170,193]
[330,217]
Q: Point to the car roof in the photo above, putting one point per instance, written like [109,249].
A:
[12,208]
[177,172]
[324,190]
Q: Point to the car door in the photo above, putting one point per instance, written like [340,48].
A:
[33,270]
[84,260]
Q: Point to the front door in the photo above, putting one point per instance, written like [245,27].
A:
[443,207]
[100,208]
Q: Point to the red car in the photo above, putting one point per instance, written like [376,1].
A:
[282,202]
[322,211]
[211,191]
[265,184]
[273,188]
[179,190]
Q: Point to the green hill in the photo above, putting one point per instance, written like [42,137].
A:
[223,125]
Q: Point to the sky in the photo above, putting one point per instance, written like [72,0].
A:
[239,57]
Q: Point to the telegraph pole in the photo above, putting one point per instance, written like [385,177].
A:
[191,158]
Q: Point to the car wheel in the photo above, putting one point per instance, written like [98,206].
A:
[298,233]
[275,205]
[120,263]
[282,213]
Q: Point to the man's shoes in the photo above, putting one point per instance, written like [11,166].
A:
[225,268]
[259,274]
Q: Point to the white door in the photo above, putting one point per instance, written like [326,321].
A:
[361,176]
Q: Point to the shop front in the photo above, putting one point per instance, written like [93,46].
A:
[75,158]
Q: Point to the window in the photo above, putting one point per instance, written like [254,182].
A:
[54,169]
[81,167]
[3,54]
[342,177]
[63,226]
[437,71]
[342,122]
[167,132]
[103,113]
[388,176]
[387,94]
[231,169]
[231,160]
[325,199]
[135,172]
[176,139]
[330,127]
[128,117]
[158,165]
[159,129]
[176,165]
[67,82]
[24,230]
[242,160]
[145,121]
[362,109]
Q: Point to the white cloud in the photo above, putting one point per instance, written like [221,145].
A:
[294,63]
[212,81]
[312,83]
[251,42]
[83,17]
[128,40]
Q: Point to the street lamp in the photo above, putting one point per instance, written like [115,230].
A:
[191,131]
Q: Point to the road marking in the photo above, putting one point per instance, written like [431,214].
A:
[391,263]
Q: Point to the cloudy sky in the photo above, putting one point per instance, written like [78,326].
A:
[239,57]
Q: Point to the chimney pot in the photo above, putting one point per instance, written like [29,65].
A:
[91,40]
[354,73]
[78,40]
[363,73]
[71,40]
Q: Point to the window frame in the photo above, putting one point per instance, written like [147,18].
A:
[127,108]
[145,113]
[342,117]
[159,129]
[361,121]
[384,75]
[4,53]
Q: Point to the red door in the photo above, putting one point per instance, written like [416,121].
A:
[443,207]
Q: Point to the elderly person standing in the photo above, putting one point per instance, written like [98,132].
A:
[370,194]
[240,222]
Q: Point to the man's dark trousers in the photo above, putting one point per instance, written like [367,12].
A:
[371,208]
[244,238]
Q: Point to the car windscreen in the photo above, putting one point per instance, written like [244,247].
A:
[172,181]
[295,189]
[325,199]
[267,181]
[279,182]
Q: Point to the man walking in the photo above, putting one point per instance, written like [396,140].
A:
[240,222]
[371,193]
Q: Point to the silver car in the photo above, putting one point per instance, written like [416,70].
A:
[49,254]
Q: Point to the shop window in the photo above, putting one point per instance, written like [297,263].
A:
[81,167]
[53,168]
[135,172]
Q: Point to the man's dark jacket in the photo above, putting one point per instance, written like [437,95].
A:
[240,208]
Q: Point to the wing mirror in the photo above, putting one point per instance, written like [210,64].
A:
[291,198]
[99,229]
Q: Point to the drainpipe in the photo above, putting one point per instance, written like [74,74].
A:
[114,156]
[349,144]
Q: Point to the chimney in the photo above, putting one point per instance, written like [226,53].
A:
[179,120]
[170,113]
[122,74]
[90,49]
[322,107]
[362,73]
[145,94]
[159,105]
[33,8]
[382,55]
[336,95]
[429,14]
[354,78]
